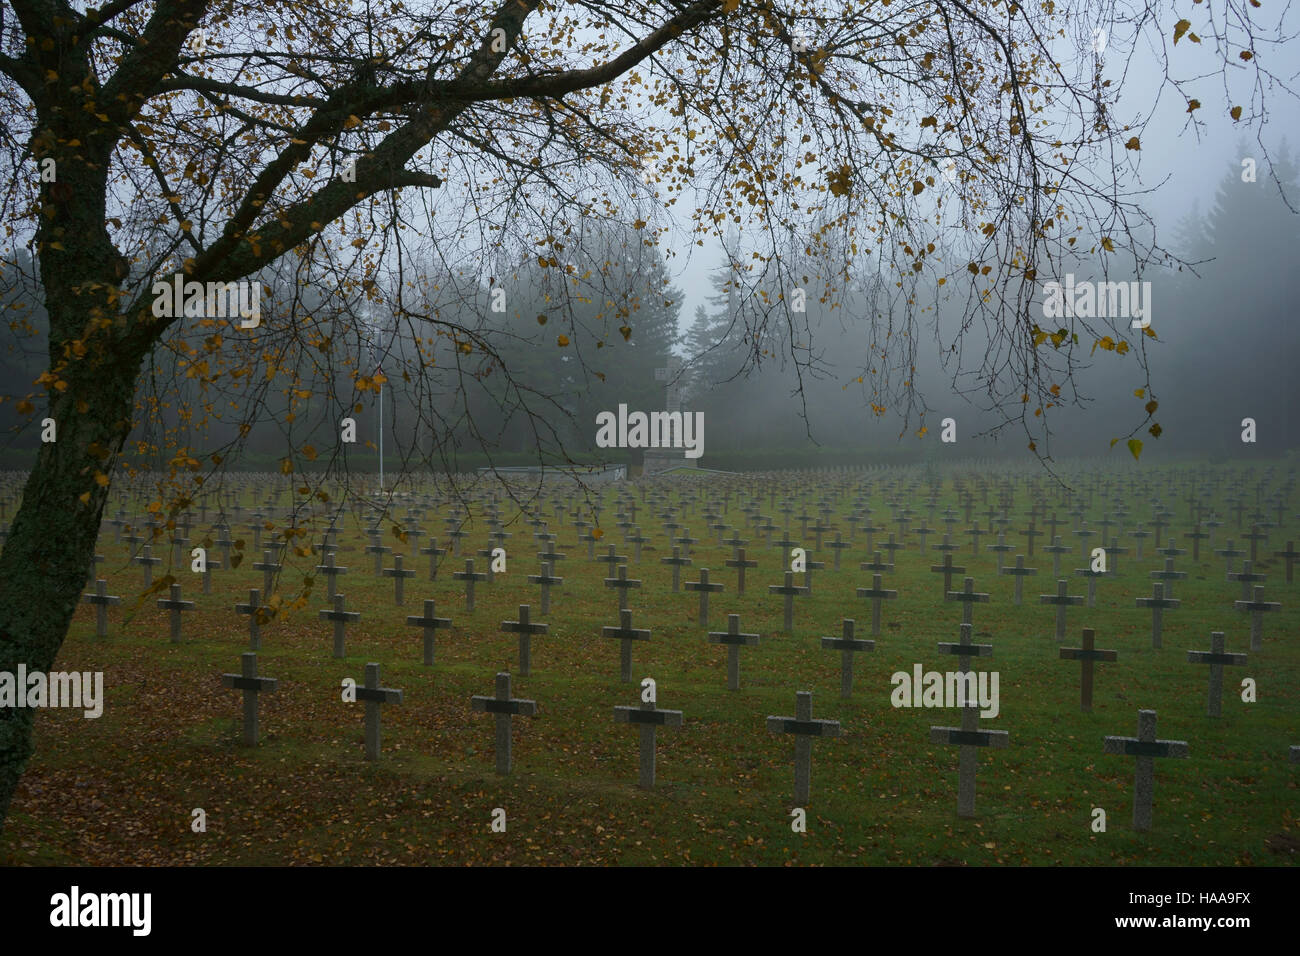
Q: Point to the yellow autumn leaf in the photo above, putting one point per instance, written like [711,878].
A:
[1107,244]
[561,340]
[1181,27]
[351,121]
[1135,446]
[1133,143]
[1140,392]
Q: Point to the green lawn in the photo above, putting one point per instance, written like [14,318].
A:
[120,789]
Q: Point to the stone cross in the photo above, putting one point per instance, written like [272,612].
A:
[469,577]
[1087,656]
[378,550]
[268,569]
[1257,609]
[1289,556]
[734,639]
[1145,747]
[837,546]
[677,562]
[503,707]
[546,580]
[340,617]
[622,584]
[1020,572]
[969,597]
[964,650]
[848,645]
[877,564]
[704,588]
[876,593]
[146,560]
[1216,657]
[967,739]
[1157,602]
[375,697]
[1001,548]
[101,599]
[947,569]
[789,591]
[1168,575]
[331,572]
[740,563]
[649,719]
[525,629]
[1062,600]
[804,729]
[1255,537]
[398,575]
[251,685]
[1093,577]
[251,609]
[175,606]
[1056,549]
[209,565]
[434,552]
[1246,577]
[430,622]
[625,633]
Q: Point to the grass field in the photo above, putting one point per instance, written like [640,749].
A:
[120,789]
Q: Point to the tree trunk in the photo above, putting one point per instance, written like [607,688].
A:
[51,541]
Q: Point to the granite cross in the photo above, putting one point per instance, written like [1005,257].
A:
[734,640]
[525,629]
[847,645]
[375,697]
[1257,609]
[251,609]
[430,623]
[469,576]
[789,591]
[503,707]
[704,588]
[251,685]
[268,569]
[967,739]
[1020,572]
[876,593]
[175,606]
[546,580]
[1062,600]
[622,584]
[1145,747]
[1216,657]
[625,633]
[677,562]
[969,597]
[804,729]
[649,719]
[101,599]
[340,617]
[399,575]
[740,564]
